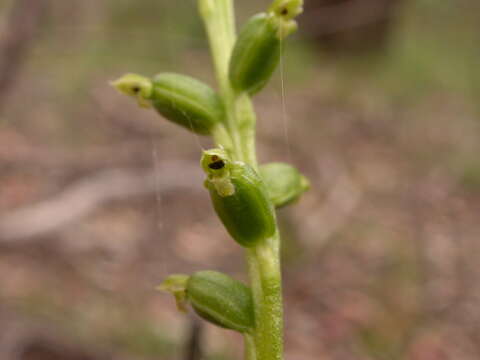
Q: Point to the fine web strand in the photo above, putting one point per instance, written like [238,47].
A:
[284,103]
[171,54]
[158,200]
[192,132]
[155,158]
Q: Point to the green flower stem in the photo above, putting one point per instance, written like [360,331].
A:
[249,343]
[246,119]
[221,136]
[266,341]
[265,278]
[220,26]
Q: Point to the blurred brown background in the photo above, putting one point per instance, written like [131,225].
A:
[100,200]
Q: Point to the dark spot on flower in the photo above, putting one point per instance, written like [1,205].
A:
[136,89]
[217,165]
[284,11]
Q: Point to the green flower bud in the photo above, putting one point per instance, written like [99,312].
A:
[221,300]
[239,197]
[137,86]
[176,285]
[287,9]
[284,183]
[179,98]
[215,297]
[256,53]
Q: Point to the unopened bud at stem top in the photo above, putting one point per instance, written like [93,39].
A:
[257,51]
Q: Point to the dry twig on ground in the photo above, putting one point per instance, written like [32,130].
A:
[89,194]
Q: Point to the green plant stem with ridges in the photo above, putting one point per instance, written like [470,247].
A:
[266,340]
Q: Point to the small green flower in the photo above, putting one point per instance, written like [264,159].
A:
[239,197]
[287,9]
[256,53]
[285,184]
[179,98]
[216,297]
